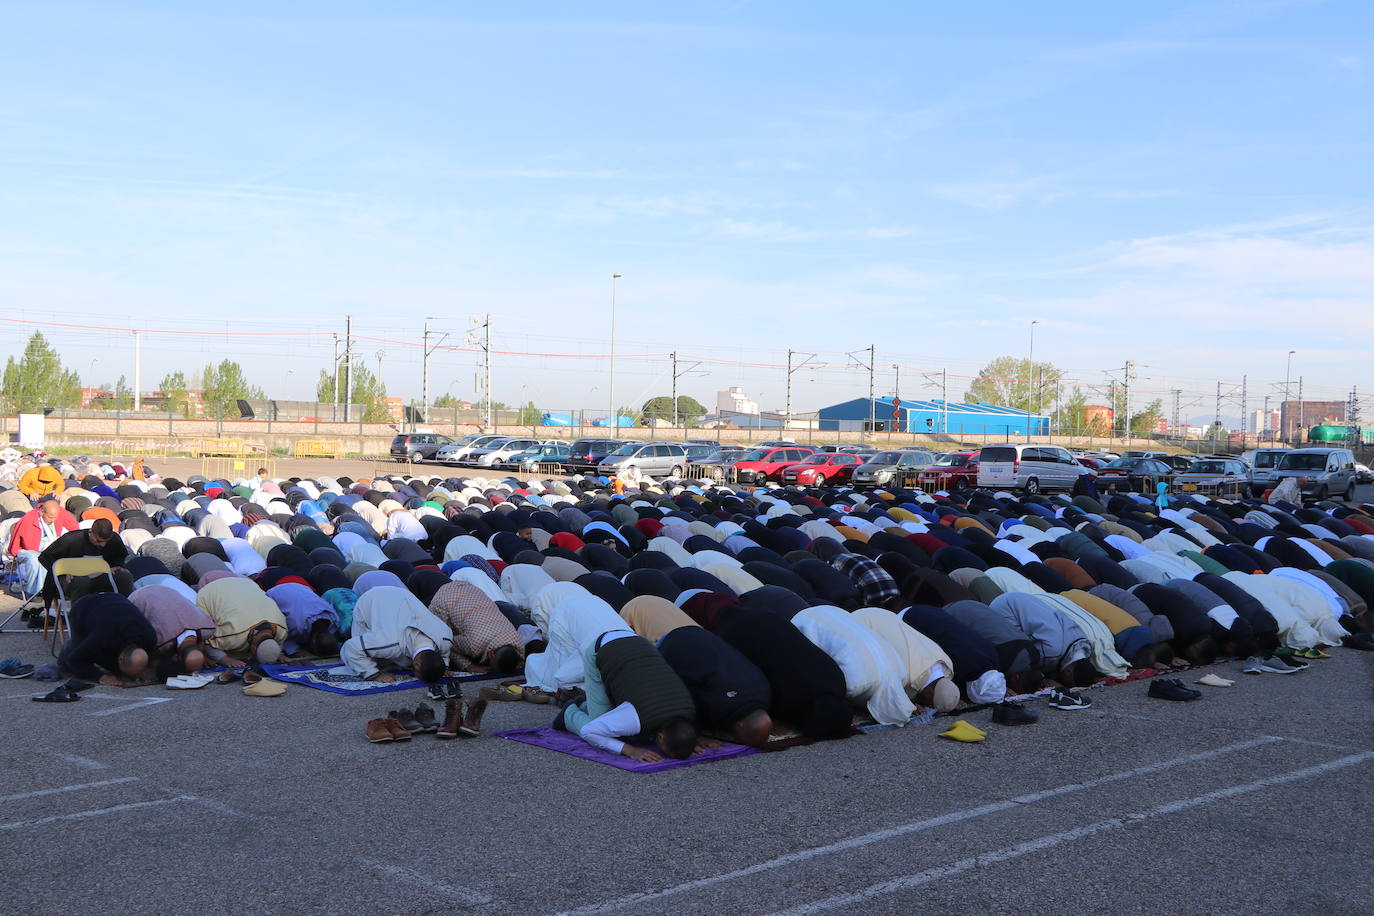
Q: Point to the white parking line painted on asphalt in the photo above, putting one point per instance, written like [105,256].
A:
[74,787]
[94,812]
[915,827]
[137,704]
[910,882]
[79,761]
[454,891]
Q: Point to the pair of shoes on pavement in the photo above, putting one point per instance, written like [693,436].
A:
[1274,664]
[1067,699]
[459,722]
[445,689]
[401,724]
[1009,713]
[13,668]
[1171,688]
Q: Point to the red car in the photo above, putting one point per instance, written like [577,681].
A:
[951,471]
[822,469]
[765,463]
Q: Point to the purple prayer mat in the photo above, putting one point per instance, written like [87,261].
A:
[568,743]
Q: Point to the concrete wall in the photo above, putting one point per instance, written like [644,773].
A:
[98,436]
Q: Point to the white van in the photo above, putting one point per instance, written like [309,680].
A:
[1032,468]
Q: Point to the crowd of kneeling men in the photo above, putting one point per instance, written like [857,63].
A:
[673,615]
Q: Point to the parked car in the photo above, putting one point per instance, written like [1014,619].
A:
[764,463]
[821,469]
[721,457]
[1032,468]
[950,471]
[1220,476]
[530,459]
[653,459]
[1090,461]
[883,467]
[1263,463]
[417,446]
[457,452]
[775,443]
[699,450]
[1177,462]
[1362,474]
[1138,475]
[500,451]
[1321,472]
[586,454]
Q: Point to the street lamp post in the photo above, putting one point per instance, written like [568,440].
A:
[610,416]
[1283,411]
[1029,369]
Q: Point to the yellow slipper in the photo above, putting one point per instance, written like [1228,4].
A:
[265,688]
[962,731]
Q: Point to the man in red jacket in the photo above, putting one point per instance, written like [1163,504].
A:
[36,530]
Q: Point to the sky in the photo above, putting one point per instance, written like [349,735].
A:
[1182,185]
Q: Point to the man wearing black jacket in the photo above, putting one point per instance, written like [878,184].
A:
[111,641]
[807,685]
[730,692]
[96,541]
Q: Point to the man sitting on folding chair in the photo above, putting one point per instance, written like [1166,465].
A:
[33,534]
[111,641]
[96,541]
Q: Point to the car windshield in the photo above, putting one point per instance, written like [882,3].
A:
[1124,464]
[757,454]
[951,461]
[629,448]
[886,458]
[1207,467]
[725,454]
[1307,462]
[1267,459]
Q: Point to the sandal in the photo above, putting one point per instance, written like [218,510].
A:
[61,694]
[229,675]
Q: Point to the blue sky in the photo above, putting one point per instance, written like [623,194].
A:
[1182,185]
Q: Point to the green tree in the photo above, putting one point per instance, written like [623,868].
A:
[529,415]
[368,391]
[1072,416]
[1216,432]
[225,385]
[689,410]
[38,379]
[123,395]
[1011,381]
[173,387]
[446,401]
[1143,423]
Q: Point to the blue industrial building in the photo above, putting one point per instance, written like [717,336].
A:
[933,416]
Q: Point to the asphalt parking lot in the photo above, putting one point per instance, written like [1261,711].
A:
[1254,799]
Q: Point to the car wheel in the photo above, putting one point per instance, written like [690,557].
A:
[1032,487]
[960,484]
[417,456]
[675,471]
[1350,492]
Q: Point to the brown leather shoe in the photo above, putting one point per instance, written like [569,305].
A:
[377,732]
[472,721]
[398,731]
[453,715]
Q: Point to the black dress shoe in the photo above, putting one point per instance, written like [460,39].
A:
[1172,689]
[1014,714]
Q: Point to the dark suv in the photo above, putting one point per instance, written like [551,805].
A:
[417,446]
[587,454]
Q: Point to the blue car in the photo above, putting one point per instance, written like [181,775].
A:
[531,459]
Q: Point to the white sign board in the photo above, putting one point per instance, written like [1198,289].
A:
[31,430]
